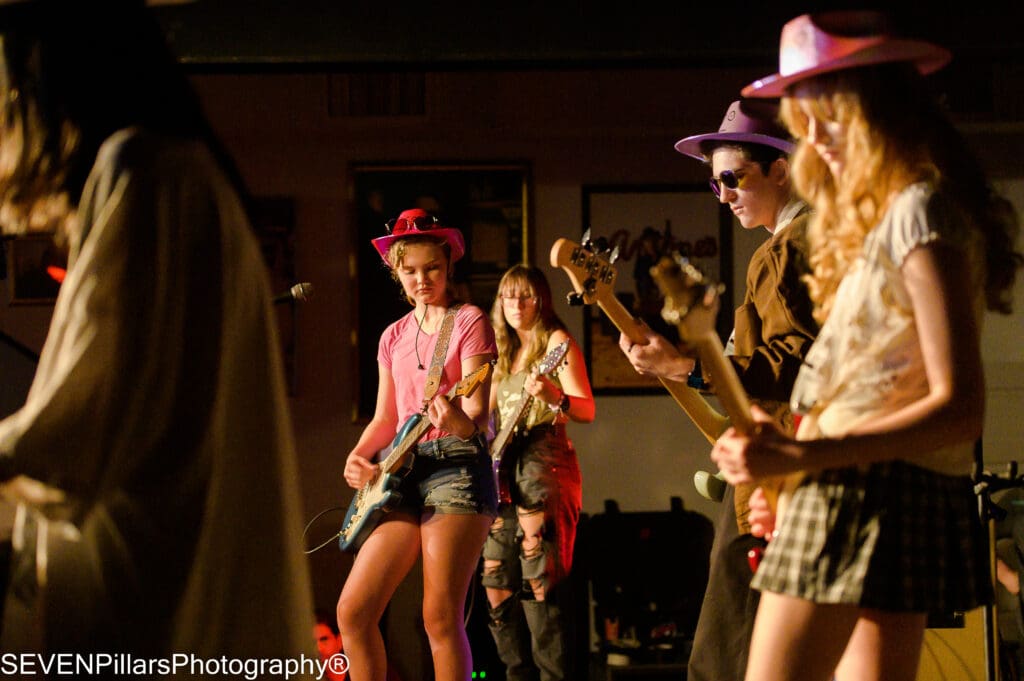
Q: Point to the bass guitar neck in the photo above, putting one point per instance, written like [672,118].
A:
[593,278]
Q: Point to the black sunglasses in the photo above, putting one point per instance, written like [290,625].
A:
[420,224]
[729,179]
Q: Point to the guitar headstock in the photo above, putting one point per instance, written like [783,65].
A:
[590,269]
[554,358]
[691,299]
[473,380]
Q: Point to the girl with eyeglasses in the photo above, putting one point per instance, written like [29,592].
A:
[909,245]
[447,498]
[528,553]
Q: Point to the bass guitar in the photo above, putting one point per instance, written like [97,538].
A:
[691,303]
[593,277]
[503,473]
[377,497]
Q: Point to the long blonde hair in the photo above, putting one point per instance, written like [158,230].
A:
[895,135]
[523,280]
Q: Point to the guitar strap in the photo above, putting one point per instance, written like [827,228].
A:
[440,350]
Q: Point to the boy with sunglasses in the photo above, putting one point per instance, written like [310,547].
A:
[773,328]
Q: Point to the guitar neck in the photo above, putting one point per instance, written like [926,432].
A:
[710,423]
[395,458]
[728,388]
[507,428]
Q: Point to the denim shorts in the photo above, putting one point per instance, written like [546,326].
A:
[450,475]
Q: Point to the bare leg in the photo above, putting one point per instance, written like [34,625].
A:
[395,543]
[797,640]
[451,551]
[884,646]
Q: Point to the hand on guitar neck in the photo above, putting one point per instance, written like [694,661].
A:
[592,273]
[656,356]
[691,303]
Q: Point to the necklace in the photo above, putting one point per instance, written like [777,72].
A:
[416,343]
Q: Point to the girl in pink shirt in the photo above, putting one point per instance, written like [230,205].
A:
[448,497]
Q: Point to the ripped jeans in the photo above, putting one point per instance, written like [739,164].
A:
[529,553]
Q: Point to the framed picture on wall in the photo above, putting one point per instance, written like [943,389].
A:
[35,268]
[489,202]
[646,222]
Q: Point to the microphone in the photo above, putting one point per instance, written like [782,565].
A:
[300,292]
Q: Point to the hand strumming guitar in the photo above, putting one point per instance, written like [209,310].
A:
[765,452]
[359,470]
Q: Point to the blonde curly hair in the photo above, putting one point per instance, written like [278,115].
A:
[895,135]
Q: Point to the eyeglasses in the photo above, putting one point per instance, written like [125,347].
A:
[730,179]
[525,300]
[422,223]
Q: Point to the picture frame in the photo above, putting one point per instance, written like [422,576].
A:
[35,267]
[488,201]
[645,222]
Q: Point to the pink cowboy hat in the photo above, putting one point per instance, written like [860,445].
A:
[745,122]
[820,43]
[418,221]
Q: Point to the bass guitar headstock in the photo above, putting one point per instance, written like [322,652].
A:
[691,299]
[590,268]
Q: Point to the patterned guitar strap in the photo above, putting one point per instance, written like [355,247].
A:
[440,350]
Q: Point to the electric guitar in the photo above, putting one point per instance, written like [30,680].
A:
[691,303]
[503,474]
[377,497]
[593,278]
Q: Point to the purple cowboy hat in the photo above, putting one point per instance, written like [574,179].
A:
[819,43]
[745,122]
[418,221]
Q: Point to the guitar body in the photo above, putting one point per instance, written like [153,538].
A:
[504,466]
[377,497]
[504,475]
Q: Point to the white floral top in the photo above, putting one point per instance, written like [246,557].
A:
[867,358]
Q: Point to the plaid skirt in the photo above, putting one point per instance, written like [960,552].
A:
[890,536]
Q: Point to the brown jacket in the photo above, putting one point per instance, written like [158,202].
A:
[774,327]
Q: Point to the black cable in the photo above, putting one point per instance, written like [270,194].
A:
[310,523]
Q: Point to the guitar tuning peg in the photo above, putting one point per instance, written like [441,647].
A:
[614,256]
[574,299]
[586,238]
[600,244]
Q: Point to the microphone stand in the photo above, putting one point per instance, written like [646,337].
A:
[984,485]
[19,347]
